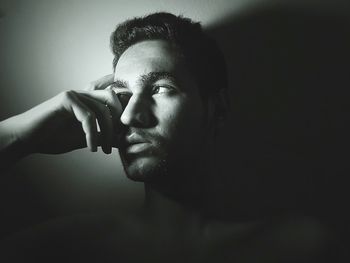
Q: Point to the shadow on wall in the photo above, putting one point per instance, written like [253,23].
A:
[289,126]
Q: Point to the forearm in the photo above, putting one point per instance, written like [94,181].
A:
[11,148]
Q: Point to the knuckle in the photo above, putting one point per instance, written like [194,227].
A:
[67,95]
[106,110]
[90,116]
[67,98]
[110,93]
[94,84]
[91,86]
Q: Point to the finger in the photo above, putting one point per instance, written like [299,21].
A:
[86,117]
[108,97]
[101,83]
[104,118]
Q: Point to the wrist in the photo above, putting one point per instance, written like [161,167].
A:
[11,142]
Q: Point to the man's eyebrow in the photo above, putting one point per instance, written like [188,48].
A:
[119,84]
[146,79]
[152,77]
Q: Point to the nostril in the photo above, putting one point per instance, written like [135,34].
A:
[142,117]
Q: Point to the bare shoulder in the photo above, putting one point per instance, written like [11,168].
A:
[287,239]
[299,239]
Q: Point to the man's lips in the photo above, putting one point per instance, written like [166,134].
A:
[134,143]
[137,147]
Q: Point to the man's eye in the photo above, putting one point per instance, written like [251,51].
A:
[161,89]
[123,95]
[124,98]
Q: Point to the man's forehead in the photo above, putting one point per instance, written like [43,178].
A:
[146,57]
[150,48]
[144,66]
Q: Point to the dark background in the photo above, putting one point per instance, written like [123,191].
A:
[289,127]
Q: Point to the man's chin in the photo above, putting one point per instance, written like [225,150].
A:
[144,169]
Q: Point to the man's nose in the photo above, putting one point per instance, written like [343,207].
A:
[137,113]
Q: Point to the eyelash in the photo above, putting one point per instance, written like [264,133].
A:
[124,98]
[124,94]
[168,88]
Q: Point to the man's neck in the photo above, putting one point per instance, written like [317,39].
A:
[171,212]
[177,198]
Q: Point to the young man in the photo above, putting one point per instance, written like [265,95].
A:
[162,108]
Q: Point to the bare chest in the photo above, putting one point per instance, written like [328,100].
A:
[155,246]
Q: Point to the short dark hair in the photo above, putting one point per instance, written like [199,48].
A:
[202,54]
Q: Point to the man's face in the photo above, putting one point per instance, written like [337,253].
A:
[163,111]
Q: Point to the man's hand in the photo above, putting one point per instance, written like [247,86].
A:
[68,121]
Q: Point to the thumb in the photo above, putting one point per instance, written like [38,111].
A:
[101,83]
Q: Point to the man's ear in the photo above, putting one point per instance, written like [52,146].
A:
[222,106]
[218,108]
